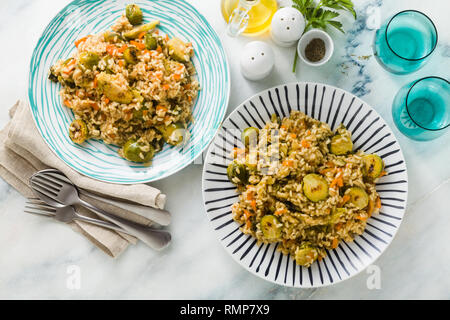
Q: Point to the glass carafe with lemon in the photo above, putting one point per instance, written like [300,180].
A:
[250,17]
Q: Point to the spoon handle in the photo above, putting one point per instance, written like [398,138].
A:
[156,239]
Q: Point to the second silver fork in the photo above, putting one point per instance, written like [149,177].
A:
[65,214]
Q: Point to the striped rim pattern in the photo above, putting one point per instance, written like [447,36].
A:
[95,158]
[370,133]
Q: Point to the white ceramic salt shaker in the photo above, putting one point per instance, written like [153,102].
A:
[257,60]
[287,25]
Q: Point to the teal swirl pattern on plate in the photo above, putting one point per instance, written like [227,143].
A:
[95,158]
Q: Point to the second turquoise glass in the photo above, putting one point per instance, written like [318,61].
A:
[405,42]
[421,109]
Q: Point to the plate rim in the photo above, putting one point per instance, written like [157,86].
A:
[234,257]
[166,175]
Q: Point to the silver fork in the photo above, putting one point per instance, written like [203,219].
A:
[57,193]
[160,216]
[64,214]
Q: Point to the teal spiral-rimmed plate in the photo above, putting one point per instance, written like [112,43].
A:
[94,158]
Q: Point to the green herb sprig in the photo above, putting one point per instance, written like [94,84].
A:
[319,16]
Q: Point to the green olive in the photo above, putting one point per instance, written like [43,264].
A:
[150,42]
[373,166]
[239,171]
[112,37]
[134,14]
[174,133]
[78,131]
[109,85]
[130,55]
[358,197]
[250,136]
[305,255]
[178,50]
[315,187]
[132,150]
[270,227]
[88,59]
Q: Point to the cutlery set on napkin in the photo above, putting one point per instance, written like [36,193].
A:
[111,216]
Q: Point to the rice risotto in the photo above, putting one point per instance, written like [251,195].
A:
[302,186]
[129,86]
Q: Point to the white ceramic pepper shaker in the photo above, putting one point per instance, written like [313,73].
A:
[287,25]
[257,60]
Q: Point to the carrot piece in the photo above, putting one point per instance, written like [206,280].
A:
[335,243]
[305,143]
[383,173]
[283,127]
[250,195]
[95,106]
[166,87]
[95,82]
[79,41]
[253,204]
[177,76]
[308,132]
[288,163]
[338,226]
[141,35]
[324,171]
[106,100]
[67,104]
[370,208]
[121,63]
[280,212]
[111,49]
[378,203]
[138,45]
[160,108]
[144,112]
[293,135]
[248,224]
[361,218]
[159,49]
[122,48]
[345,198]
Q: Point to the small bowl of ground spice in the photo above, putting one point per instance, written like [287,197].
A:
[315,47]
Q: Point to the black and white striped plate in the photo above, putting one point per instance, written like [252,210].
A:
[370,133]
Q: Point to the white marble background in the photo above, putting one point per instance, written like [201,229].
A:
[35,253]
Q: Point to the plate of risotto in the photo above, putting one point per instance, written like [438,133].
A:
[128,93]
[305,185]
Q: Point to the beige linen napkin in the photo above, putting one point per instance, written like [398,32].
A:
[23,152]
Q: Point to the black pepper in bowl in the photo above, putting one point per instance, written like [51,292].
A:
[315,50]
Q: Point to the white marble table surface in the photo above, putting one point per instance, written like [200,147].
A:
[35,253]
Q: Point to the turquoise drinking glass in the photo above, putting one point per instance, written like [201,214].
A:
[421,109]
[405,42]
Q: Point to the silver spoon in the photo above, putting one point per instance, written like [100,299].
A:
[62,194]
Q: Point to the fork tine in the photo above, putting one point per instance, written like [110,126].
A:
[38,211]
[42,189]
[57,176]
[42,206]
[50,184]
